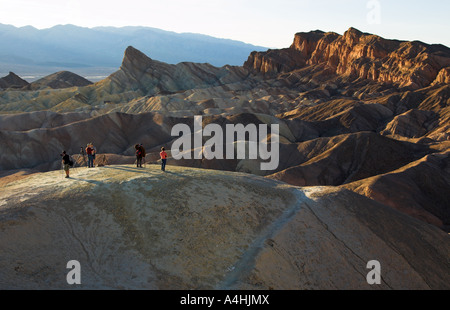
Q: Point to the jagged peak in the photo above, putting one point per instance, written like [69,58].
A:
[12,80]
[313,32]
[12,74]
[353,31]
[306,41]
[352,36]
[134,53]
[309,36]
[134,57]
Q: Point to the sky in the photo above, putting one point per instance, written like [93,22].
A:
[265,23]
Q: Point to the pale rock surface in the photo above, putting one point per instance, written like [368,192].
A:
[189,228]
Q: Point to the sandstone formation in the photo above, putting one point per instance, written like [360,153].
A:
[140,76]
[202,229]
[356,55]
[443,76]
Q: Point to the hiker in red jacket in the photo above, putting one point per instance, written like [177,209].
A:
[163,155]
[90,154]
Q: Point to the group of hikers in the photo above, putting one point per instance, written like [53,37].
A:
[140,156]
[91,151]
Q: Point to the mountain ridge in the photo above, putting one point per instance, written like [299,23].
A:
[80,47]
[355,55]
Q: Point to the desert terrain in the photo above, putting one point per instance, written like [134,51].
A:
[364,171]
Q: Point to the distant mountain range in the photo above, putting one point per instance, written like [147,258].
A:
[66,47]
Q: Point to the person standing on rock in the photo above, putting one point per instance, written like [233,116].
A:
[163,155]
[138,156]
[94,152]
[66,163]
[89,152]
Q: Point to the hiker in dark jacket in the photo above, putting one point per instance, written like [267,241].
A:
[66,162]
[143,153]
[138,156]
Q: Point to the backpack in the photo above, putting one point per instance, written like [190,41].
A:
[142,151]
[71,162]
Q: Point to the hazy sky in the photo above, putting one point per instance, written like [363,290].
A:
[260,22]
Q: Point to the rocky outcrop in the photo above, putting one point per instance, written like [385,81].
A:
[356,55]
[275,61]
[141,76]
[12,80]
[443,77]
